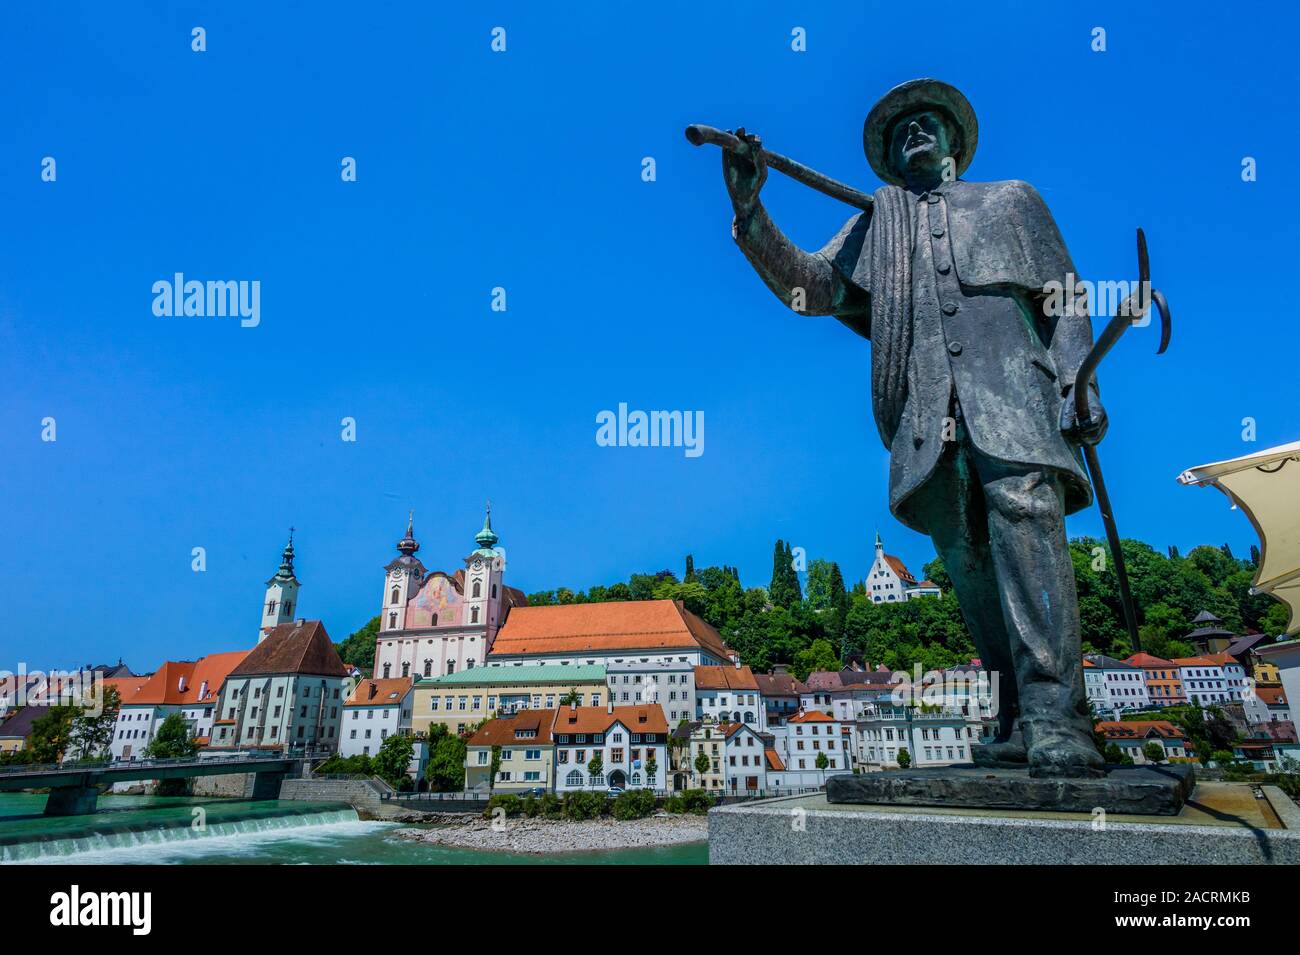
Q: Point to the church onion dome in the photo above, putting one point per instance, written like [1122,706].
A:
[486,538]
[408,545]
[286,560]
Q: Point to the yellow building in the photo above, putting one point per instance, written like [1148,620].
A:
[524,750]
[460,701]
[1265,671]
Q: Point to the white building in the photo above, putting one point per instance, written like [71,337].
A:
[890,581]
[1112,685]
[285,694]
[432,623]
[1204,681]
[1285,655]
[185,687]
[669,683]
[744,762]
[729,693]
[1132,737]
[802,743]
[630,741]
[1267,704]
[376,710]
[941,737]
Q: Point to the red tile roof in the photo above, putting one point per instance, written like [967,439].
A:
[901,570]
[725,678]
[777,684]
[1147,661]
[811,716]
[379,692]
[611,625]
[501,732]
[597,719]
[773,760]
[1271,695]
[1138,729]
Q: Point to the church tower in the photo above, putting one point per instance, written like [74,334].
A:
[402,579]
[484,570]
[281,593]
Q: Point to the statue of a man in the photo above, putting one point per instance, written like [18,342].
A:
[971,381]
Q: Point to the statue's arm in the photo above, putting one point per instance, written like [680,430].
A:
[811,283]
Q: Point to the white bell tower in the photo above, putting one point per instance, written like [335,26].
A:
[484,573]
[281,593]
[402,579]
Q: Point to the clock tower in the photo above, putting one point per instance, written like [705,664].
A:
[281,593]
[484,570]
[402,580]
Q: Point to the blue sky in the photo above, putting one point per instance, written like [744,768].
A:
[523,170]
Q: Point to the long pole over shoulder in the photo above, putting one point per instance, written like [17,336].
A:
[699,135]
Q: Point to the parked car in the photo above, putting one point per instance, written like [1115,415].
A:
[535,791]
[615,791]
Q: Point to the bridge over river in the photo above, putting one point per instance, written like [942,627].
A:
[75,787]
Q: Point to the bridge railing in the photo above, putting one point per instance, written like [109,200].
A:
[74,766]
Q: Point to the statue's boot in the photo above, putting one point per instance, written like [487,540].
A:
[1008,753]
[1061,752]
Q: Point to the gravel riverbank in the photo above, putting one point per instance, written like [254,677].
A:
[547,835]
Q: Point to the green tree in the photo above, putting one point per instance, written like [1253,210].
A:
[393,759]
[173,739]
[821,762]
[359,648]
[702,763]
[819,656]
[904,758]
[595,766]
[92,730]
[52,733]
[446,769]
[651,770]
[690,570]
[1154,752]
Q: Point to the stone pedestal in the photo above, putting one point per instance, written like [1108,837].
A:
[1222,823]
[1135,790]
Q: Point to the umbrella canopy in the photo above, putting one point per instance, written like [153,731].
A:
[1266,487]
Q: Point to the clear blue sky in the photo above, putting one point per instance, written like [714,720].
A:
[522,170]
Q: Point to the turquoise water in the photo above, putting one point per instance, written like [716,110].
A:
[145,830]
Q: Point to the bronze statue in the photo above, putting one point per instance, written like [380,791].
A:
[971,389]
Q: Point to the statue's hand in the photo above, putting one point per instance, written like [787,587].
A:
[745,172]
[1086,432]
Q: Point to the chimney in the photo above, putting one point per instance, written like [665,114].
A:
[609,705]
[735,658]
[373,690]
[573,702]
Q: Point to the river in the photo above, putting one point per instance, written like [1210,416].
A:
[150,830]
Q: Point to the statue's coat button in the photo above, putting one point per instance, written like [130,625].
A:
[954,348]
[949,308]
[932,198]
[944,268]
[937,232]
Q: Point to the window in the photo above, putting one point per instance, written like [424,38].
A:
[473,615]
[397,595]
[392,621]
[428,668]
[478,589]
[573,779]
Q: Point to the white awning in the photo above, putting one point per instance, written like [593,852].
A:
[1266,487]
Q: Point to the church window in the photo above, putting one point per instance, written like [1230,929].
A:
[494,591]
[392,621]
[288,608]
[473,615]
[397,595]
[270,607]
[435,621]
[428,668]
[469,664]
[478,589]
[388,670]
[406,669]
[451,666]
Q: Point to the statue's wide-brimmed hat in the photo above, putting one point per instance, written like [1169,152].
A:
[908,98]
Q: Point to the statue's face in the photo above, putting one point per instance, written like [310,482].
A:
[921,141]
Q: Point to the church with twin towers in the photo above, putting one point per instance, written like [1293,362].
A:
[431,623]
